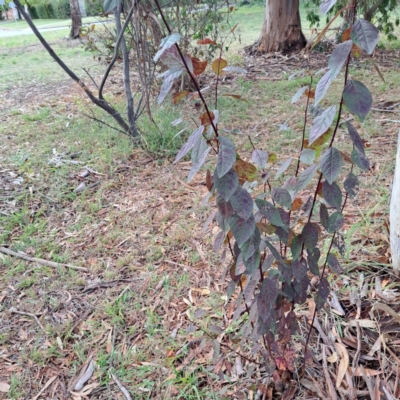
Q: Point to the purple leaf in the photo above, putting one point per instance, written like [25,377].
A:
[331,164]
[351,185]
[365,35]
[224,207]
[242,203]
[357,98]
[194,137]
[332,194]
[251,246]
[339,57]
[322,87]
[310,236]
[322,294]
[282,196]
[336,221]
[242,229]
[166,43]
[227,184]
[322,123]
[307,156]
[296,246]
[198,164]
[270,212]
[326,6]
[312,258]
[324,216]
[306,177]
[226,156]
[299,93]
[299,269]
[334,264]
[355,137]
[260,158]
[285,165]
[266,298]
[360,160]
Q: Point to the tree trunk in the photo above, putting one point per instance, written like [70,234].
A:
[348,15]
[395,214]
[281,30]
[76,19]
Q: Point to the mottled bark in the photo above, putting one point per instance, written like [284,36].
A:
[281,30]
[76,19]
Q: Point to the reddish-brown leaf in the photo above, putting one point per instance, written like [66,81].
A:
[209,180]
[245,170]
[310,93]
[204,118]
[281,363]
[346,34]
[177,97]
[198,66]
[207,41]
[297,203]
[218,65]
[233,29]
[236,96]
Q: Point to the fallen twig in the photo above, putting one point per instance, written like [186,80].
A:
[13,310]
[121,387]
[40,261]
[49,382]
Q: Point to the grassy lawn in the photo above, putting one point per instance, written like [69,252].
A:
[138,229]
[47,23]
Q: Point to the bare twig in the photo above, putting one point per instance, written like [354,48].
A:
[121,387]
[40,261]
[13,310]
[49,382]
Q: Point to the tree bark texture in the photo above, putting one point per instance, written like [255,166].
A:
[281,30]
[395,214]
[76,19]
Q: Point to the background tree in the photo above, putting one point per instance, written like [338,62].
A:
[76,19]
[281,30]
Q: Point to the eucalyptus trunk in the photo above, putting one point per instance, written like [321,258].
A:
[76,19]
[281,30]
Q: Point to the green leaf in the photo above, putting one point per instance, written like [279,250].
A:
[242,229]
[242,203]
[321,124]
[322,294]
[334,264]
[357,98]
[355,138]
[310,235]
[251,246]
[332,194]
[306,177]
[351,185]
[226,185]
[365,35]
[360,160]
[336,221]
[166,43]
[331,164]
[253,262]
[282,196]
[339,57]
[274,252]
[109,5]
[226,156]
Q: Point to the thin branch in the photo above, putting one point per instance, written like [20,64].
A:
[99,102]
[40,261]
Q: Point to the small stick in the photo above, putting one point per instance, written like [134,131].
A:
[40,261]
[121,387]
[13,310]
[49,382]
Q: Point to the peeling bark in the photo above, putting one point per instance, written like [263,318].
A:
[76,19]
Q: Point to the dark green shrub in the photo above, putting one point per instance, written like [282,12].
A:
[93,7]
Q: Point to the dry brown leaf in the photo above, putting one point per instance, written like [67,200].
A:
[4,387]
[343,365]
[333,358]
[368,372]
[109,342]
